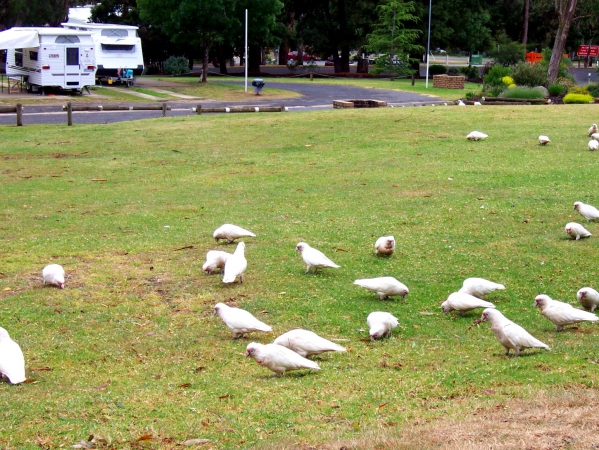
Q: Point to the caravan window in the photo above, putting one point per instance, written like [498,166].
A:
[19,57]
[117,48]
[114,32]
[67,40]
[32,55]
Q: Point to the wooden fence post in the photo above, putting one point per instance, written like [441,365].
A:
[164,110]
[19,115]
[199,110]
[69,114]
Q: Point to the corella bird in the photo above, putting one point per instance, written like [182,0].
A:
[561,313]
[462,302]
[380,324]
[589,212]
[595,136]
[215,259]
[588,298]
[593,145]
[53,274]
[306,343]
[476,136]
[235,265]
[593,129]
[239,321]
[277,358]
[544,140]
[576,230]
[509,334]
[384,287]
[314,258]
[479,287]
[385,245]
[231,232]
[477,103]
[461,103]
[12,363]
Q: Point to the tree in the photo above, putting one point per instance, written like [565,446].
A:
[35,12]
[565,11]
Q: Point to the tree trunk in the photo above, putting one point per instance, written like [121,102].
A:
[300,54]
[205,62]
[222,58]
[565,12]
[345,59]
[525,15]
[254,59]
[362,65]
[283,52]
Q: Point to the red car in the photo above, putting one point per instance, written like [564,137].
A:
[305,57]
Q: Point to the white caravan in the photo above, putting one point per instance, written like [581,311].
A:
[118,48]
[50,57]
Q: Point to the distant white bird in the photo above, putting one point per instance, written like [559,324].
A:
[12,363]
[477,103]
[461,103]
[576,230]
[595,136]
[561,313]
[544,140]
[277,358]
[593,129]
[588,298]
[53,274]
[589,212]
[476,136]
[313,258]
[509,334]
[460,301]
[306,343]
[380,324]
[235,265]
[215,259]
[479,287]
[384,287]
[239,321]
[593,145]
[385,245]
[231,232]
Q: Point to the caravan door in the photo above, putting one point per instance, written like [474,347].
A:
[72,69]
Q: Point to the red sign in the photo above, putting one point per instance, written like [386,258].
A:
[588,50]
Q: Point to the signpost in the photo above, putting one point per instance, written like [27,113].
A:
[588,50]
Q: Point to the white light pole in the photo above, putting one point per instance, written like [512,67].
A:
[428,42]
[245,56]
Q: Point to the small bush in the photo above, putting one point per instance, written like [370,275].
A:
[437,69]
[567,83]
[556,89]
[495,91]
[578,90]
[176,65]
[510,53]
[470,95]
[507,80]
[497,72]
[593,89]
[525,74]
[151,70]
[453,71]
[471,72]
[578,98]
[522,92]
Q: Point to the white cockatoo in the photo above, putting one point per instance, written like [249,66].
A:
[476,136]
[561,313]
[479,287]
[235,265]
[462,302]
[277,358]
[385,245]
[314,258]
[589,212]
[231,232]
[306,343]
[215,259]
[593,129]
[239,320]
[53,274]
[461,103]
[12,363]
[384,287]
[544,140]
[595,136]
[477,103]
[576,230]
[593,145]
[588,298]
[380,324]
[509,334]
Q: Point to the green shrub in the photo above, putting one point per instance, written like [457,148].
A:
[510,53]
[578,98]
[566,83]
[453,71]
[497,72]
[593,89]
[525,74]
[176,65]
[522,92]
[556,89]
[578,90]
[471,72]
[437,69]
[495,91]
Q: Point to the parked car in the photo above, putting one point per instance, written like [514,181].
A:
[292,57]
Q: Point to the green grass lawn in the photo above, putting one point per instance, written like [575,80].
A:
[130,350]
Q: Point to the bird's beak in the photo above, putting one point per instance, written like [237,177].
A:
[537,304]
[247,354]
[61,285]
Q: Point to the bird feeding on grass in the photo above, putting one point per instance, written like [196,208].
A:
[593,145]
[476,136]
[595,136]
[235,265]
[12,363]
[314,258]
[462,302]
[239,321]
[479,287]
[385,245]
[461,103]
[589,212]
[384,287]
[588,298]
[576,231]
[277,358]
[306,343]
[561,313]
[380,324]
[53,274]
[215,259]
[593,129]
[231,232]
[544,140]
[509,334]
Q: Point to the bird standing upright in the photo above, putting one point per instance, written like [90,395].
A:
[588,298]
[235,265]
[589,212]
[314,258]
[561,313]
[239,321]
[12,362]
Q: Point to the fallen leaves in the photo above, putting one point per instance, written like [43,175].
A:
[103,385]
